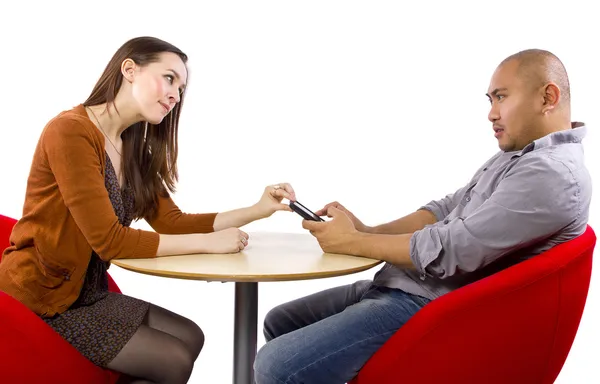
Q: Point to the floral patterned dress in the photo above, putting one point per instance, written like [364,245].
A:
[100,323]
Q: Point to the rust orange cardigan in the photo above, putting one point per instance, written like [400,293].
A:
[67,214]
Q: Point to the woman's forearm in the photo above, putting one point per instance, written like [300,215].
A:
[237,218]
[182,244]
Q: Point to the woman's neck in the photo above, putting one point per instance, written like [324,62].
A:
[114,123]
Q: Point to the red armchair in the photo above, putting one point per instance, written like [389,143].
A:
[31,352]
[516,326]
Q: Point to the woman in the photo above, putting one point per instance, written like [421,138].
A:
[96,168]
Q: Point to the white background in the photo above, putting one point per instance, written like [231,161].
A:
[377,104]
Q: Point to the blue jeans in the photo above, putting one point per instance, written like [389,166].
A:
[328,336]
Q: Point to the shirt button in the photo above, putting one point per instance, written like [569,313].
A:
[485,169]
[446,221]
[468,198]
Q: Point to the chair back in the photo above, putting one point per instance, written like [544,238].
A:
[6,226]
[516,326]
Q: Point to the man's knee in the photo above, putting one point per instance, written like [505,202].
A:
[272,323]
[268,366]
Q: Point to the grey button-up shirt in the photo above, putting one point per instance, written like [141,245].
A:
[517,205]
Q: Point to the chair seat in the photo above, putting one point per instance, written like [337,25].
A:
[31,352]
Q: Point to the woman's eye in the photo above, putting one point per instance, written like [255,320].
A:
[169,78]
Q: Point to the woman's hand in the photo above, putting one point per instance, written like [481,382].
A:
[270,201]
[230,240]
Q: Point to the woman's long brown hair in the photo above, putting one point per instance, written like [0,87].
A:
[149,151]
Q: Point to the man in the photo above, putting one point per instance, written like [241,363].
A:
[532,195]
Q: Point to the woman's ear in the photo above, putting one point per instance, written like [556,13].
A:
[128,69]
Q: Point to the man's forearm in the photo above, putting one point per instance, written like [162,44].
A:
[407,224]
[394,249]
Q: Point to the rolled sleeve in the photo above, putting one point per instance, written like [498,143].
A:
[536,199]
[425,247]
[442,208]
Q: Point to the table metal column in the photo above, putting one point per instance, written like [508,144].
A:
[244,336]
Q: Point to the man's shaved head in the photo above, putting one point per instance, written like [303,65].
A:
[537,67]
[530,98]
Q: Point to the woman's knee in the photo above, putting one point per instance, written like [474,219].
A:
[179,326]
[191,334]
[178,363]
[155,356]
[196,339]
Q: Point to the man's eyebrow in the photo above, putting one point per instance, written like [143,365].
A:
[495,92]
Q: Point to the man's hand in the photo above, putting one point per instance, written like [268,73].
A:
[337,235]
[357,223]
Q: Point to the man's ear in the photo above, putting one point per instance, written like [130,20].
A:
[552,95]
[128,67]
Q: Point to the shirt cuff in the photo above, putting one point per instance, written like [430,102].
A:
[433,208]
[425,247]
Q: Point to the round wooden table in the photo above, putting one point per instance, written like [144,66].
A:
[269,256]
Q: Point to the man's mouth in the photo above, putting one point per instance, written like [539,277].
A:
[498,131]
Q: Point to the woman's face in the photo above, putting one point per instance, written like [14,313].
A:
[157,87]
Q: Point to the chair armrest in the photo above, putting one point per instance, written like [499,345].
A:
[112,286]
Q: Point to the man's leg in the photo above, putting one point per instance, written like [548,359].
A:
[299,313]
[332,350]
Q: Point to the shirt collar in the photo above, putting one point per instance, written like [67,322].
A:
[573,135]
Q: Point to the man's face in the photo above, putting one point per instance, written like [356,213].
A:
[514,108]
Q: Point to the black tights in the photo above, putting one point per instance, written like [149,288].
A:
[163,350]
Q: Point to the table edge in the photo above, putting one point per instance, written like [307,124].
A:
[248,278]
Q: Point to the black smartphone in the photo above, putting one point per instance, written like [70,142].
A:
[304,212]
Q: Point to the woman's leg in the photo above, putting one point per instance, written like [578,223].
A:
[163,350]
[176,325]
[154,357]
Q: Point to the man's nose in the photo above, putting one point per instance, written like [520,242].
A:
[494,114]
